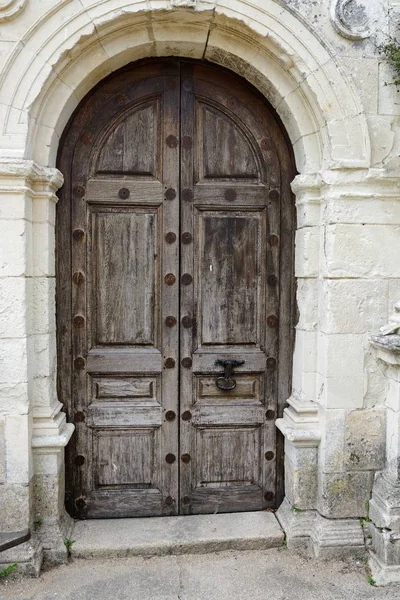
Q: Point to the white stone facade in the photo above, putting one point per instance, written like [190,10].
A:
[319,66]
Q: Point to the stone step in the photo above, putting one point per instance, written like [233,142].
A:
[158,536]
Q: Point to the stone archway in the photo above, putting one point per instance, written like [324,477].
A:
[264,42]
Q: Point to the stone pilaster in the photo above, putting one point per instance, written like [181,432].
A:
[30,414]
[51,432]
[342,296]
[385,502]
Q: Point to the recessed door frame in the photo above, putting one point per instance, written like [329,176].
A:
[286,284]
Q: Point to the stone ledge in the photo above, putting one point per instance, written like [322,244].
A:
[297,525]
[300,423]
[304,438]
[31,171]
[54,441]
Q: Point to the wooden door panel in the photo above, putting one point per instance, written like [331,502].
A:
[227,415]
[204,360]
[137,360]
[219,499]
[228,456]
[124,503]
[136,388]
[249,388]
[132,145]
[124,414]
[231,278]
[124,258]
[114,464]
[225,152]
[251,196]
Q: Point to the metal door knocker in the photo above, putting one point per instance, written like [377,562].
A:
[227,382]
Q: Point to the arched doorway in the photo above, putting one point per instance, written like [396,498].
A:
[175,293]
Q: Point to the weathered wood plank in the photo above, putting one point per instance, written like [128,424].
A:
[230,279]
[187,307]
[113,414]
[230,196]
[123,361]
[232,414]
[125,503]
[119,154]
[228,455]
[225,152]
[107,191]
[219,500]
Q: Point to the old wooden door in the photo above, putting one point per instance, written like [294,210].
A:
[174,294]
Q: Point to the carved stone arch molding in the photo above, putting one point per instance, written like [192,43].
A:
[10,8]
[276,52]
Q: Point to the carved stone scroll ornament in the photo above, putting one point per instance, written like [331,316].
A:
[389,335]
[10,8]
[350,19]
[393,326]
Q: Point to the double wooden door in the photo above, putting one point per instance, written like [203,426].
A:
[174,294]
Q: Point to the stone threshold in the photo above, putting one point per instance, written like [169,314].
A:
[160,536]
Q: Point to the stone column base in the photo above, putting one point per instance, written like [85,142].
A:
[325,538]
[384,512]
[384,560]
[337,538]
[28,556]
[296,524]
[384,508]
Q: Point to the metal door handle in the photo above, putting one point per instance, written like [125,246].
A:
[227,382]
